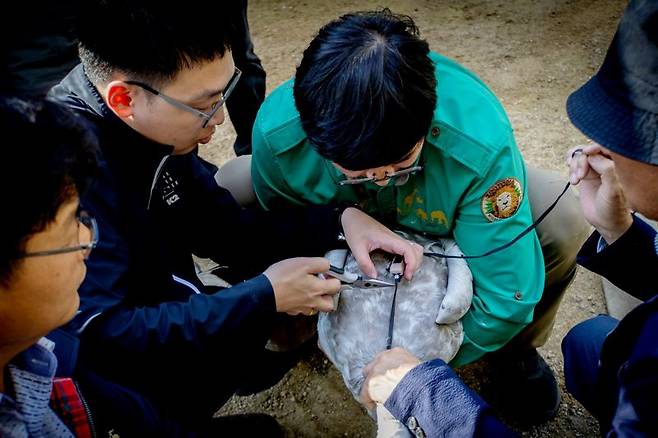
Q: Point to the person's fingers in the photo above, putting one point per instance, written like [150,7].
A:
[571,162]
[325,303]
[586,149]
[592,149]
[321,286]
[408,250]
[573,173]
[365,395]
[577,160]
[362,256]
[410,269]
[329,286]
[368,368]
[602,165]
[581,166]
[411,259]
[578,168]
[316,265]
[571,153]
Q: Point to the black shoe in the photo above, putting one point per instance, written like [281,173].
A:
[525,386]
[260,425]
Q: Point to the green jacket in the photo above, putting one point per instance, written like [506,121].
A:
[472,187]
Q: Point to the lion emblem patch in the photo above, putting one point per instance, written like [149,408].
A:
[502,199]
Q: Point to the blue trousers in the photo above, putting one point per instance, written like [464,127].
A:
[581,348]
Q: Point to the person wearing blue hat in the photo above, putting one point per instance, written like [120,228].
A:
[611,366]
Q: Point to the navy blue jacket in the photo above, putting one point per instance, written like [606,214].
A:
[145,319]
[628,369]
[109,406]
[431,398]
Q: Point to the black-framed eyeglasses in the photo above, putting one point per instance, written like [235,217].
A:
[206,117]
[86,244]
[399,177]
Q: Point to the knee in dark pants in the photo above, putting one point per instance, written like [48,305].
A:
[581,348]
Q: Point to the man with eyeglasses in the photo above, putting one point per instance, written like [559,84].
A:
[44,243]
[46,388]
[375,118]
[50,386]
[152,84]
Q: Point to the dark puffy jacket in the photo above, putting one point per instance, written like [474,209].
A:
[145,320]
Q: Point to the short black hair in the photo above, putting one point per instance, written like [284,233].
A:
[151,40]
[365,89]
[50,157]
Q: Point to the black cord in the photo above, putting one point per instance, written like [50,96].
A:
[508,244]
[391,320]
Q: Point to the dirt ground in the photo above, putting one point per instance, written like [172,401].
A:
[532,53]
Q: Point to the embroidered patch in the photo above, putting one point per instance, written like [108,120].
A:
[502,199]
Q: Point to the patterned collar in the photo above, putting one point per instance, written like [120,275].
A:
[29,414]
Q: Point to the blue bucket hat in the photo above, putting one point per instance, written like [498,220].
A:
[618,107]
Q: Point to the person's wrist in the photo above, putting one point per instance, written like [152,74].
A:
[382,386]
[610,234]
[278,301]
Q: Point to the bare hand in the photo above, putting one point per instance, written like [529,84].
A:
[384,373]
[297,289]
[601,195]
[364,235]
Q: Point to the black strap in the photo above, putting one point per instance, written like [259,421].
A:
[508,244]
[391,320]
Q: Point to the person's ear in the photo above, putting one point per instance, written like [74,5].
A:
[120,99]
